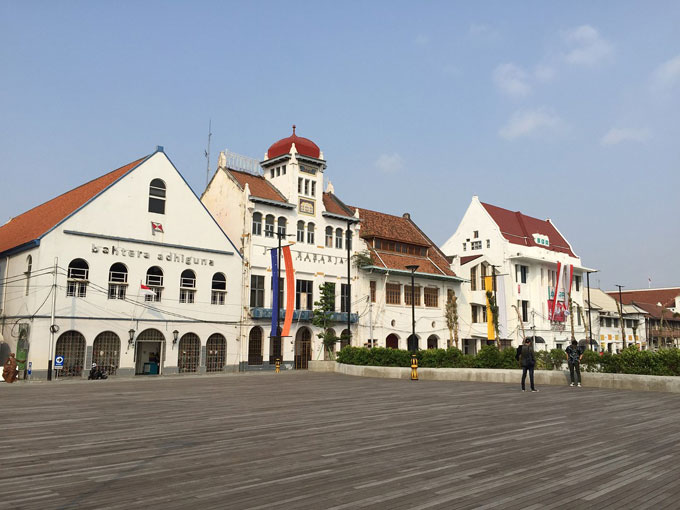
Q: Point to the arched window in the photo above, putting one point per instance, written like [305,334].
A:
[257,224]
[432,342]
[338,238]
[154,280]
[118,281]
[71,346]
[215,353]
[219,289]
[157,196]
[187,286]
[310,233]
[106,351]
[29,268]
[269,226]
[282,226]
[78,272]
[189,354]
[255,346]
[345,338]
[300,231]
[329,237]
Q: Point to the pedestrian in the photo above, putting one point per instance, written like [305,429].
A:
[9,370]
[574,355]
[525,355]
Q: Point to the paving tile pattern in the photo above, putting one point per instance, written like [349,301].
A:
[326,441]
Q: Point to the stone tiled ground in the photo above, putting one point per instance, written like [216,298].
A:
[317,441]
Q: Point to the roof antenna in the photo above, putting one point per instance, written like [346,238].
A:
[207,154]
[293,129]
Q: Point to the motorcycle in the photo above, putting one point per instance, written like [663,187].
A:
[97,373]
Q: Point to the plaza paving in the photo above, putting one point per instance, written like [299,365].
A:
[316,441]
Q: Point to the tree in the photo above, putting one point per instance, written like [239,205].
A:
[322,316]
[493,308]
[362,259]
[451,314]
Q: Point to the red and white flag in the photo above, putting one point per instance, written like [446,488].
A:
[156,227]
[146,291]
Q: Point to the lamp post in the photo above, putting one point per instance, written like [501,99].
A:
[175,334]
[131,340]
[590,322]
[623,331]
[348,297]
[413,345]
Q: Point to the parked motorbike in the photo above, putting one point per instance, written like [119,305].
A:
[97,373]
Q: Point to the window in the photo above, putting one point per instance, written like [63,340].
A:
[281,226]
[521,273]
[218,289]
[269,226]
[372,286]
[482,277]
[304,295]
[464,247]
[118,281]
[616,323]
[306,186]
[157,196]
[271,173]
[257,224]
[578,314]
[300,231]
[449,295]
[393,293]
[349,240]
[76,284]
[476,245]
[338,238]
[488,243]
[256,291]
[255,346]
[525,311]
[154,280]
[283,169]
[477,312]
[29,268]
[473,278]
[407,295]
[313,188]
[282,303]
[608,322]
[188,353]
[344,297]
[329,237]
[310,233]
[187,286]
[431,296]
[475,234]
[278,171]
[577,283]
[299,184]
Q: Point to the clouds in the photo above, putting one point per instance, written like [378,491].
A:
[586,46]
[530,122]
[512,80]
[616,136]
[667,75]
[389,163]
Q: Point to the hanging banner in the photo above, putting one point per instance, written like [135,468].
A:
[552,305]
[490,330]
[276,275]
[290,291]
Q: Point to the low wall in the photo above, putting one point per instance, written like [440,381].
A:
[489,375]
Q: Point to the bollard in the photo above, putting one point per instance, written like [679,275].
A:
[278,365]
[414,367]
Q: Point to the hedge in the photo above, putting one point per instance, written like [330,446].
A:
[629,361]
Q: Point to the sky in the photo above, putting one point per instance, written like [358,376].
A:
[561,110]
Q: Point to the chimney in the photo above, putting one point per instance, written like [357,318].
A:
[407,216]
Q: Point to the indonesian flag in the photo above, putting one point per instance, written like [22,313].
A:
[146,291]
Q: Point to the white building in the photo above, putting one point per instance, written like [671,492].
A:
[284,193]
[534,265]
[606,322]
[139,224]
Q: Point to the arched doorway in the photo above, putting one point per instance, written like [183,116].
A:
[71,346]
[255,346]
[216,353]
[392,341]
[303,348]
[432,342]
[345,337]
[413,343]
[150,352]
[275,348]
[106,351]
[330,355]
[189,353]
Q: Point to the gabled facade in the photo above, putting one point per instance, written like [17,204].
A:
[533,266]
[87,256]
[608,331]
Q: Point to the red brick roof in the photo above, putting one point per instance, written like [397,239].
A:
[647,299]
[334,205]
[35,223]
[303,146]
[259,186]
[519,228]
[469,258]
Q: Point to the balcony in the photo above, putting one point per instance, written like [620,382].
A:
[302,315]
[664,332]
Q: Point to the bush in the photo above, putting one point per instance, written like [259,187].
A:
[557,358]
[508,358]
[488,357]
[592,361]
[543,361]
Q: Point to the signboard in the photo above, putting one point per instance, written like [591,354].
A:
[558,313]
[58,362]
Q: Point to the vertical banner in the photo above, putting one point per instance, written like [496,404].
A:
[557,290]
[275,291]
[290,291]
[502,307]
[490,330]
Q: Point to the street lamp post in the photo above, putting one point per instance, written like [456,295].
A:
[623,332]
[590,322]
[413,346]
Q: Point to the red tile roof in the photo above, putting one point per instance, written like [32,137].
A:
[35,223]
[647,299]
[519,228]
[259,186]
[469,258]
[334,205]
[304,146]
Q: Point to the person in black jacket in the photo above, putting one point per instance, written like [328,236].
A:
[525,354]
[574,355]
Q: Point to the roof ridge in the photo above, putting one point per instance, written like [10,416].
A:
[339,202]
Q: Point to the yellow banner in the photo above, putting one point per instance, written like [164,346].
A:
[490,330]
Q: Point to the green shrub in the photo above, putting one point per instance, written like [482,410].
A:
[508,358]
[557,358]
[488,357]
[543,361]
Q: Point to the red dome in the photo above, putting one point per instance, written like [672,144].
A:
[304,146]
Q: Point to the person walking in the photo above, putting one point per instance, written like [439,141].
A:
[525,355]
[574,355]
